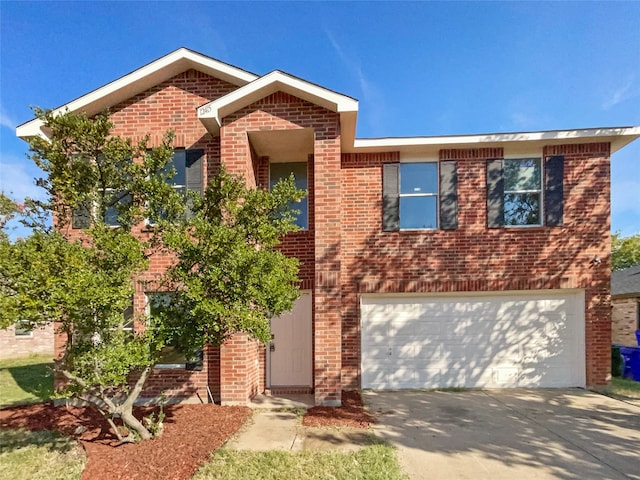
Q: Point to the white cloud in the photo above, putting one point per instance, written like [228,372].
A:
[6,121]
[373,98]
[622,93]
[17,178]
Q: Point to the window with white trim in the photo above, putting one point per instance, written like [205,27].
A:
[418,184]
[23,329]
[522,192]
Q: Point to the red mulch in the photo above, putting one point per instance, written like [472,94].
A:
[351,414]
[191,433]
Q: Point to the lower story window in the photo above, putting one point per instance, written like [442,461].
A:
[158,303]
[23,329]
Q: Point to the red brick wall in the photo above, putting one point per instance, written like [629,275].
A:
[40,341]
[318,248]
[241,369]
[474,258]
[170,105]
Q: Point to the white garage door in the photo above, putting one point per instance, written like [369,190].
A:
[507,339]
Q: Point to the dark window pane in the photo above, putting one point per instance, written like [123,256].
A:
[418,212]
[111,214]
[522,209]
[169,355]
[278,171]
[179,163]
[522,174]
[418,178]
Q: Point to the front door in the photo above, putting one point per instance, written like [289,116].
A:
[290,360]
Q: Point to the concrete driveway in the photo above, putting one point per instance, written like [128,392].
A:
[510,434]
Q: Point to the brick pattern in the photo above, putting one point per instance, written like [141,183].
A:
[474,258]
[317,248]
[624,322]
[171,105]
[345,253]
[40,341]
[241,370]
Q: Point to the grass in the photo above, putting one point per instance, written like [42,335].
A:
[26,380]
[624,388]
[375,462]
[36,455]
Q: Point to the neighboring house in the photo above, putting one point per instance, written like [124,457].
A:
[625,299]
[463,260]
[17,341]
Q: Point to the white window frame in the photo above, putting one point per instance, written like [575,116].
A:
[421,194]
[307,188]
[17,328]
[540,191]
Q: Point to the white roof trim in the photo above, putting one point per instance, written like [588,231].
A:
[142,79]
[618,136]
[268,84]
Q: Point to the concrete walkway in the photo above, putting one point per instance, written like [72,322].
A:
[277,425]
[568,434]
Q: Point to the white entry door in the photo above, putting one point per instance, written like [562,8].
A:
[500,339]
[290,360]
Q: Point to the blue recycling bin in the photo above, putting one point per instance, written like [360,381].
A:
[638,337]
[631,362]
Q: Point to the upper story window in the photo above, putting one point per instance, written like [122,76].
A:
[522,192]
[278,171]
[418,195]
[188,174]
[525,192]
[115,198]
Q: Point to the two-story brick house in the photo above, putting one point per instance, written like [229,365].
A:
[472,260]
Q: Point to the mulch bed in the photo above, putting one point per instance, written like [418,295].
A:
[191,433]
[351,414]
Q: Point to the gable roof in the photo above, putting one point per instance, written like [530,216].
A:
[142,79]
[626,281]
[253,87]
[212,113]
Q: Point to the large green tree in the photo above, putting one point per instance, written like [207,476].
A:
[228,276]
[625,251]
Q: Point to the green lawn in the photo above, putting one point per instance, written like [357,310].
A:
[624,388]
[29,455]
[26,380]
[375,462]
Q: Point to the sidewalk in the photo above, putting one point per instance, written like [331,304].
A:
[277,425]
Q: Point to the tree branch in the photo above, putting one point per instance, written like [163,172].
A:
[137,388]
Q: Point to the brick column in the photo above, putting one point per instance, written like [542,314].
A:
[240,377]
[327,292]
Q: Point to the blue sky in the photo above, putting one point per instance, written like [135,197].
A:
[420,68]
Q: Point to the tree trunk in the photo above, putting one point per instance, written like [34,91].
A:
[133,423]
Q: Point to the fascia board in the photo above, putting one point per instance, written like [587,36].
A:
[617,136]
[271,83]
[140,80]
